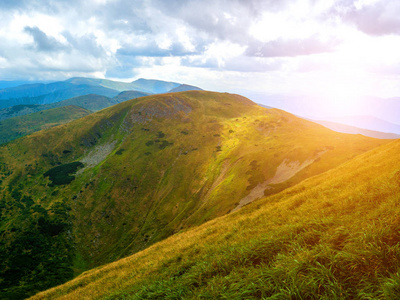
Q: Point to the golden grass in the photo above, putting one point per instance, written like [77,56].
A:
[213,149]
[338,230]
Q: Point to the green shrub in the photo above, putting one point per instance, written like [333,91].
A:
[62,174]
[165,144]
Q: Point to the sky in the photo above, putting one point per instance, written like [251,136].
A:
[332,50]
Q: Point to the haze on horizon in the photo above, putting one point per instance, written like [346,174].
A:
[331,52]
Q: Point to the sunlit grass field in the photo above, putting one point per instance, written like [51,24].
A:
[154,167]
[333,236]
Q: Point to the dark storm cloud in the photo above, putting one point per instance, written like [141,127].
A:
[290,48]
[42,41]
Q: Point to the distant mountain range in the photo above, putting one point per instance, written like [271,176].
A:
[7,84]
[41,93]
[338,127]
[368,122]
[17,127]
[376,114]
[90,102]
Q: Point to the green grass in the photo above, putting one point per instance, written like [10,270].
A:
[209,151]
[13,128]
[312,241]
[62,174]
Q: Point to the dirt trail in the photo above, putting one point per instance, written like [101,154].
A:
[286,170]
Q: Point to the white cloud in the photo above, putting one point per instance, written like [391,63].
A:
[264,45]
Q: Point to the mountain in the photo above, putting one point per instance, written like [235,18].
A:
[333,236]
[16,127]
[184,88]
[324,108]
[355,130]
[13,83]
[32,90]
[128,95]
[153,86]
[368,122]
[90,102]
[19,110]
[149,86]
[114,85]
[40,93]
[266,106]
[115,182]
[43,94]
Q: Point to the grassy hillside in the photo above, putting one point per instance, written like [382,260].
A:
[90,102]
[49,93]
[19,110]
[184,88]
[14,128]
[117,181]
[128,95]
[333,236]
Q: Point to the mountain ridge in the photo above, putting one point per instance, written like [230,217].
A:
[152,167]
[41,93]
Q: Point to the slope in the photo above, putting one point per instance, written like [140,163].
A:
[153,86]
[333,236]
[14,128]
[91,102]
[37,94]
[184,88]
[152,167]
[355,130]
[128,95]
[142,85]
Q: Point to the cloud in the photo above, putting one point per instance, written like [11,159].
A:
[85,44]
[290,48]
[46,39]
[224,20]
[42,41]
[371,17]
[153,50]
